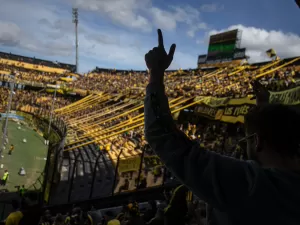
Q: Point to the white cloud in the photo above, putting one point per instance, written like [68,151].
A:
[193,29]
[213,7]
[191,17]
[257,41]
[142,15]
[163,19]
[46,30]
[9,33]
[168,19]
[124,12]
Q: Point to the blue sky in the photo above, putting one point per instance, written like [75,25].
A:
[118,33]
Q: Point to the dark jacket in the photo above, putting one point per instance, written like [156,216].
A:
[176,211]
[244,192]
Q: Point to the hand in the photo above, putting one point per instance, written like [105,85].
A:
[157,59]
[262,95]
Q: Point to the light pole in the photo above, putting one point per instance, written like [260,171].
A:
[4,135]
[75,21]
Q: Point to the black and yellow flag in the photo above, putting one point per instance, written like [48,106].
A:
[271,53]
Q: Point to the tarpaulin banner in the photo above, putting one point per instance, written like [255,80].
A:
[233,110]
[289,97]
[212,101]
[129,164]
[234,114]
[206,111]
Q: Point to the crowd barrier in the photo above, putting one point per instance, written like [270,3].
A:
[85,178]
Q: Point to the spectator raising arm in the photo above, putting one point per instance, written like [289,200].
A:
[221,181]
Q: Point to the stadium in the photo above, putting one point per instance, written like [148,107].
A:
[79,138]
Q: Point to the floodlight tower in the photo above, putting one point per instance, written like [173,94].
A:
[75,21]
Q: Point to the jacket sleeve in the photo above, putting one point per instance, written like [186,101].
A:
[220,181]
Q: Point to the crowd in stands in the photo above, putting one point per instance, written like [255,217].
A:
[29,76]
[229,81]
[177,206]
[32,101]
[234,82]
[98,119]
[35,61]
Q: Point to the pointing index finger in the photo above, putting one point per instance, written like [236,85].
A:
[160,38]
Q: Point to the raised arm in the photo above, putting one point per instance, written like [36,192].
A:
[219,180]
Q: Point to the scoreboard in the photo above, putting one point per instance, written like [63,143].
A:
[222,46]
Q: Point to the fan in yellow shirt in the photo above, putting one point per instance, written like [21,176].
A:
[14,218]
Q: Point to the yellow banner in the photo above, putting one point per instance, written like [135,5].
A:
[130,164]
[233,110]
[289,97]
[206,111]
[213,101]
[234,114]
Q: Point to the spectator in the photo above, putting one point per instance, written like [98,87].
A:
[262,191]
[125,186]
[158,219]
[114,222]
[59,220]
[177,209]
[4,178]
[46,218]
[22,191]
[96,215]
[133,215]
[109,217]
[79,217]
[30,211]
[15,216]
[151,211]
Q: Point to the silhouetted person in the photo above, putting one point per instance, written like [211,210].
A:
[263,190]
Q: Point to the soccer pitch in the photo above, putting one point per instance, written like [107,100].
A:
[30,155]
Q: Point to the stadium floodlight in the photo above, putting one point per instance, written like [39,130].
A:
[75,21]
[4,131]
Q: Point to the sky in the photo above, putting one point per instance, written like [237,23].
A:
[118,33]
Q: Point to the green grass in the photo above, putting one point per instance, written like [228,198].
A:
[30,155]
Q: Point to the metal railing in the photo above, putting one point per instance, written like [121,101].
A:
[92,173]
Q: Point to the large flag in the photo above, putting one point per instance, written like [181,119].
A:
[271,53]
[298,3]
